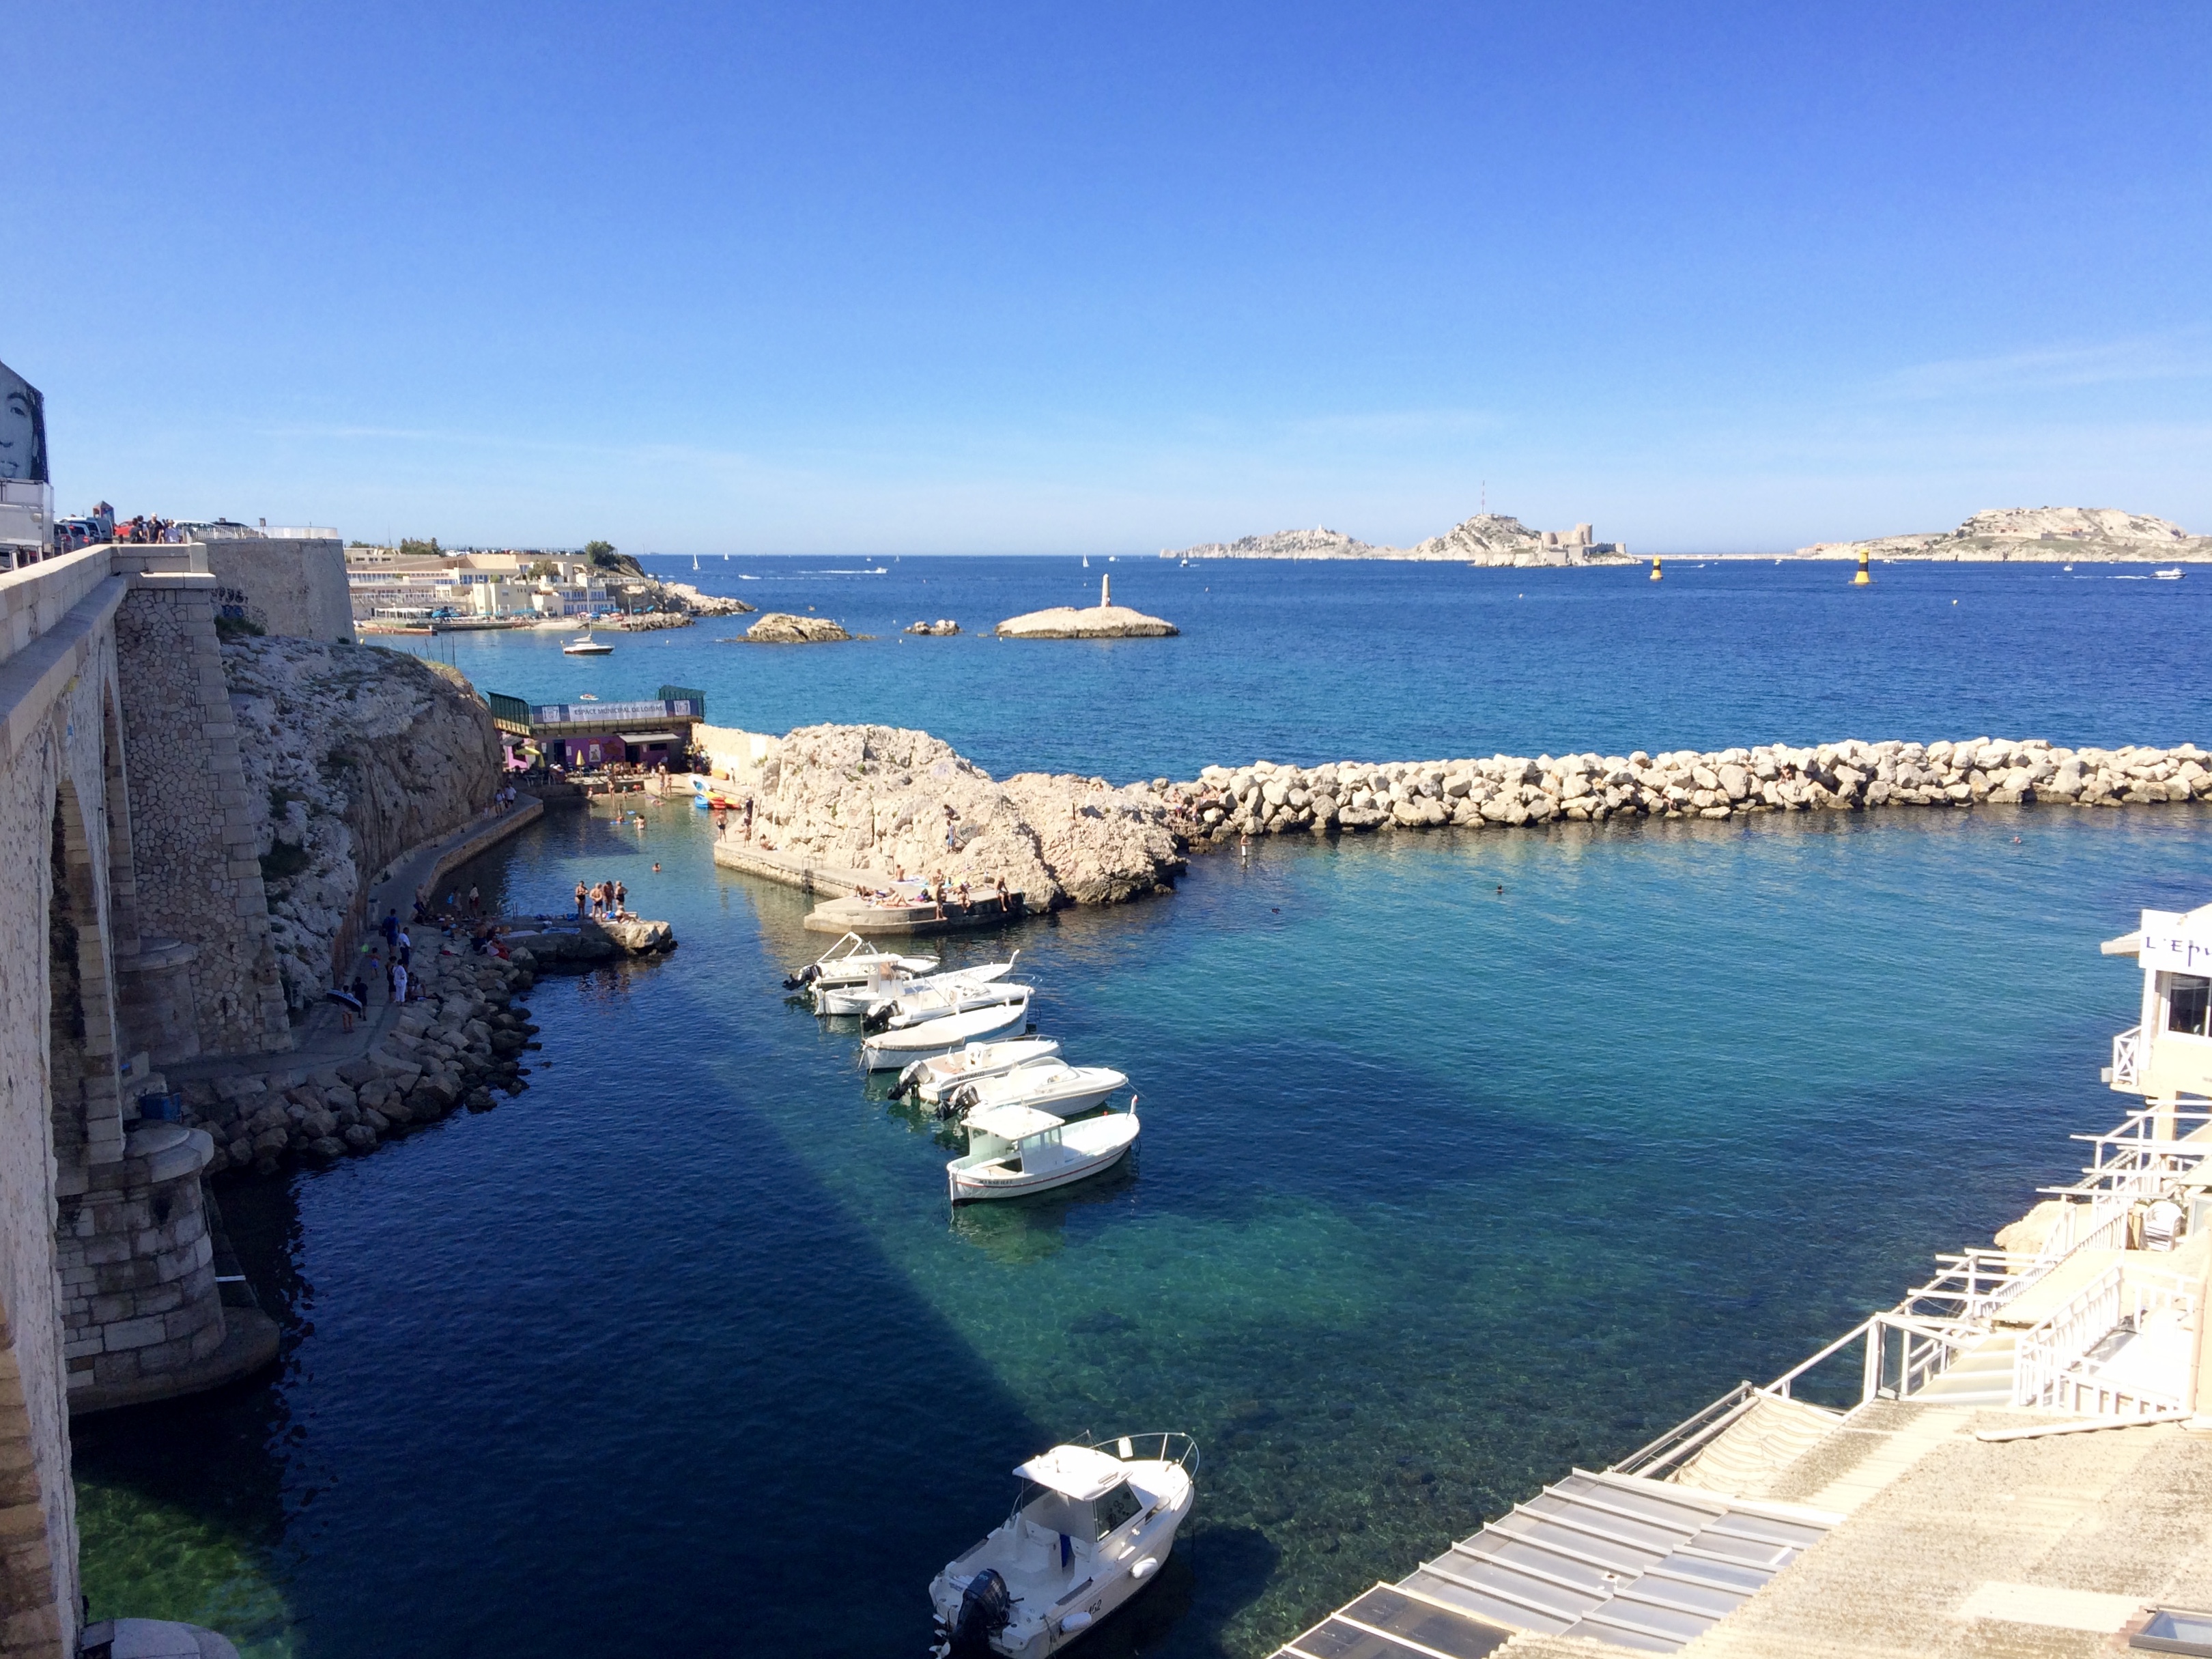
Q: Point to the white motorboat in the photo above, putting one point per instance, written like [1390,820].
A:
[923,1007]
[1014,1151]
[2171,573]
[1092,1527]
[584,645]
[891,1051]
[887,982]
[850,960]
[1049,1085]
[931,1080]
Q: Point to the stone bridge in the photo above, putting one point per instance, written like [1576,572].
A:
[142,937]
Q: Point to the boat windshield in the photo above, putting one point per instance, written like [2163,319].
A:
[1116,1507]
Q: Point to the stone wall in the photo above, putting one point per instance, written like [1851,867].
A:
[198,873]
[285,586]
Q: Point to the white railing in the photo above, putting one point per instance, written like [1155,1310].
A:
[2127,1058]
[2052,1348]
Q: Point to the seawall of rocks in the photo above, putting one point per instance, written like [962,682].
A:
[1510,790]
[460,1041]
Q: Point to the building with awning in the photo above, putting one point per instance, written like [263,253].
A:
[586,735]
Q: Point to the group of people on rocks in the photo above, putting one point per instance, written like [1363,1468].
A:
[601,901]
[392,961]
[724,813]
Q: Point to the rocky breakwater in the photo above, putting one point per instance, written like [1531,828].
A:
[781,627]
[353,755]
[463,1039]
[876,798]
[1510,791]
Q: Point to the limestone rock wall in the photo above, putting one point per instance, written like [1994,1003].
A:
[352,755]
[874,798]
[193,833]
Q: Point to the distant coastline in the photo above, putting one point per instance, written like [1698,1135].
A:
[2033,535]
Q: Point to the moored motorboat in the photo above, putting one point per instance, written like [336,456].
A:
[1050,1085]
[1013,1151]
[919,1007]
[1093,1525]
[850,960]
[931,1080]
[889,982]
[584,645]
[891,1051]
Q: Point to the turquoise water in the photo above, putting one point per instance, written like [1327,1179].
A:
[1442,1190]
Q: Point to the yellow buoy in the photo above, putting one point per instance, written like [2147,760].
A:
[1863,579]
[1655,571]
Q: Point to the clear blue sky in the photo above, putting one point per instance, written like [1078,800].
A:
[985,277]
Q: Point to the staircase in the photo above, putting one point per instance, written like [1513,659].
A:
[1979,1376]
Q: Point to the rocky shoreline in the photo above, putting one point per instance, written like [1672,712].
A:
[458,1045]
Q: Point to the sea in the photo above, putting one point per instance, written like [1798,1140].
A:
[1468,1157]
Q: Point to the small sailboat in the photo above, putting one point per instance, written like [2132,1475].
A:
[1014,1151]
[695,561]
[584,645]
[1092,1527]
[1050,1085]
[892,1051]
[931,1080]
[1086,562]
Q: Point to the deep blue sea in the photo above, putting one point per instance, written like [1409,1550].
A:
[1443,1188]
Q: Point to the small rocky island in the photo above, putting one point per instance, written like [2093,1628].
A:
[1102,621]
[2036,535]
[1488,538]
[781,627]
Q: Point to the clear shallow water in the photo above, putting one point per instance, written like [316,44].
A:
[1377,661]
[1441,1190]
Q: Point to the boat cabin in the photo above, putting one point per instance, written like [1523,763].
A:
[1031,1136]
[2168,1053]
[1075,1497]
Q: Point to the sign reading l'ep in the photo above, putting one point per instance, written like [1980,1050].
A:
[2177,942]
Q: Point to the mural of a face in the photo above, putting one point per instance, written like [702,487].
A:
[22,429]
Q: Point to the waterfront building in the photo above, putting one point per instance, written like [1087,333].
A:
[2167,1054]
[583,737]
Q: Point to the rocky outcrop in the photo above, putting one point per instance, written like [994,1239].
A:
[1510,791]
[943,625]
[1488,538]
[352,755]
[1097,622]
[582,943]
[875,798]
[781,628]
[2036,535]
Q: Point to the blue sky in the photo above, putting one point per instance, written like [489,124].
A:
[1040,278]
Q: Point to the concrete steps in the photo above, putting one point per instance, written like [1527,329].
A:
[1982,1375]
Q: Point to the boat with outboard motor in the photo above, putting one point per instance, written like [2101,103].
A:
[1014,1151]
[889,982]
[1093,1525]
[940,1000]
[1049,1085]
[891,1051]
[584,645]
[850,960]
[931,1080]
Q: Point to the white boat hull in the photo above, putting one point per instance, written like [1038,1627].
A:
[954,1071]
[1062,1090]
[1089,1148]
[892,1051]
